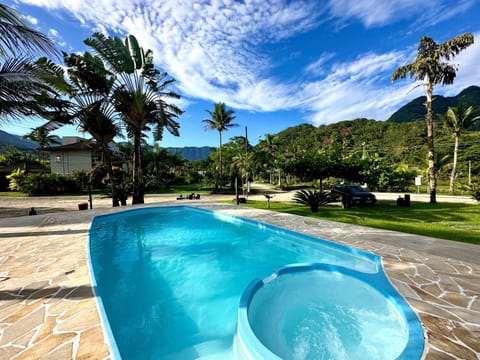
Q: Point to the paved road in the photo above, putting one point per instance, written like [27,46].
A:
[279,195]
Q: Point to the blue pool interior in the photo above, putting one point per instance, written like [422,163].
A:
[170,279]
[303,308]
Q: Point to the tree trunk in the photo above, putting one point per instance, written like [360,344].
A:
[432,174]
[108,163]
[220,152]
[138,183]
[454,167]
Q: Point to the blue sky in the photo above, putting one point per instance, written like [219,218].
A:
[276,63]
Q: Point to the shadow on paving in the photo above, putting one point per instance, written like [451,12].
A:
[68,293]
[43,233]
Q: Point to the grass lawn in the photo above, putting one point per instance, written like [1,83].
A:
[459,222]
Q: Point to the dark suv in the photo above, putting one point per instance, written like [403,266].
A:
[353,195]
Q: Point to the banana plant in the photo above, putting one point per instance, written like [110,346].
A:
[139,96]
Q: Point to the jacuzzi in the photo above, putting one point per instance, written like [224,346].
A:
[321,311]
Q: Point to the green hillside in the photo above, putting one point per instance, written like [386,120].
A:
[415,109]
[398,142]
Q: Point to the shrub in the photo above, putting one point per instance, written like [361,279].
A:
[16,180]
[312,198]
[43,184]
[475,190]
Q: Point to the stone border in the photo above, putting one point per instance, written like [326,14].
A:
[48,308]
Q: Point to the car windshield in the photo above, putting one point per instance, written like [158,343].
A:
[356,188]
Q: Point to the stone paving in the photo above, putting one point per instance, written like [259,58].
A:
[48,308]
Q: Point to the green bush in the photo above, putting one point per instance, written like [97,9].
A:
[16,180]
[43,184]
[475,190]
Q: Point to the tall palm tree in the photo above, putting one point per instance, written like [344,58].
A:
[458,119]
[20,85]
[432,66]
[138,95]
[221,120]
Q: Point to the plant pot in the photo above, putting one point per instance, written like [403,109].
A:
[83,206]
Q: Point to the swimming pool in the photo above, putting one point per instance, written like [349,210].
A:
[170,278]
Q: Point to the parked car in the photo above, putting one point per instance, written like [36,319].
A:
[353,195]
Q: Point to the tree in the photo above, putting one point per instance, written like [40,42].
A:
[42,137]
[458,119]
[221,120]
[139,92]
[431,66]
[89,86]
[20,85]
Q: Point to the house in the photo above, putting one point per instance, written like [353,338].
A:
[74,154]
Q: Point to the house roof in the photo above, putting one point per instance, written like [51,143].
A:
[78,146]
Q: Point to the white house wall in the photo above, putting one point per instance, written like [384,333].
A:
[68,162]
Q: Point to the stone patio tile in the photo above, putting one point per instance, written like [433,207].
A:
[405,289]
[22,310]
[24,340]
[468,338]
[63,352]
[433,289]
[22,326]
[434,354]
[440,335]
[425,272]
[457,299]
[40,349]
[9,351]
[475,305]
[425,296]
[91,346]
[81,320]
[46,329]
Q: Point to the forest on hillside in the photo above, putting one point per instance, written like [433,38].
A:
[398,145]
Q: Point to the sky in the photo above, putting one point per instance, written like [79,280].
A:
[276,63]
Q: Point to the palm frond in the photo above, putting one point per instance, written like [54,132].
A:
[18,38]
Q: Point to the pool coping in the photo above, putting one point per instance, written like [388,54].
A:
[48,307]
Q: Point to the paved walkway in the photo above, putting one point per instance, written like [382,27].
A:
[48,309]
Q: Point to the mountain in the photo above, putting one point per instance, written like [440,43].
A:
[415,109]
[192,153]
[16,141]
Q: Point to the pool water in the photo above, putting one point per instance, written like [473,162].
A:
[170,278]
[320,312]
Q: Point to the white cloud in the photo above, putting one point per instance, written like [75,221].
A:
[359,88]
[31,20]
[468,69]
[318,67]
[380,12]
[212,48]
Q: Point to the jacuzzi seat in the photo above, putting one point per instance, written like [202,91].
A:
[307,311]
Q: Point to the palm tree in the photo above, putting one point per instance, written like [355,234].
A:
[458,119]
[17,37]
[89,85]
[221,120]
[431,66]
[19,83]
[138,95]
[42,137]
[269,147]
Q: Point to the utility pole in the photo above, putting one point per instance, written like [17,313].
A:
[469,172]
